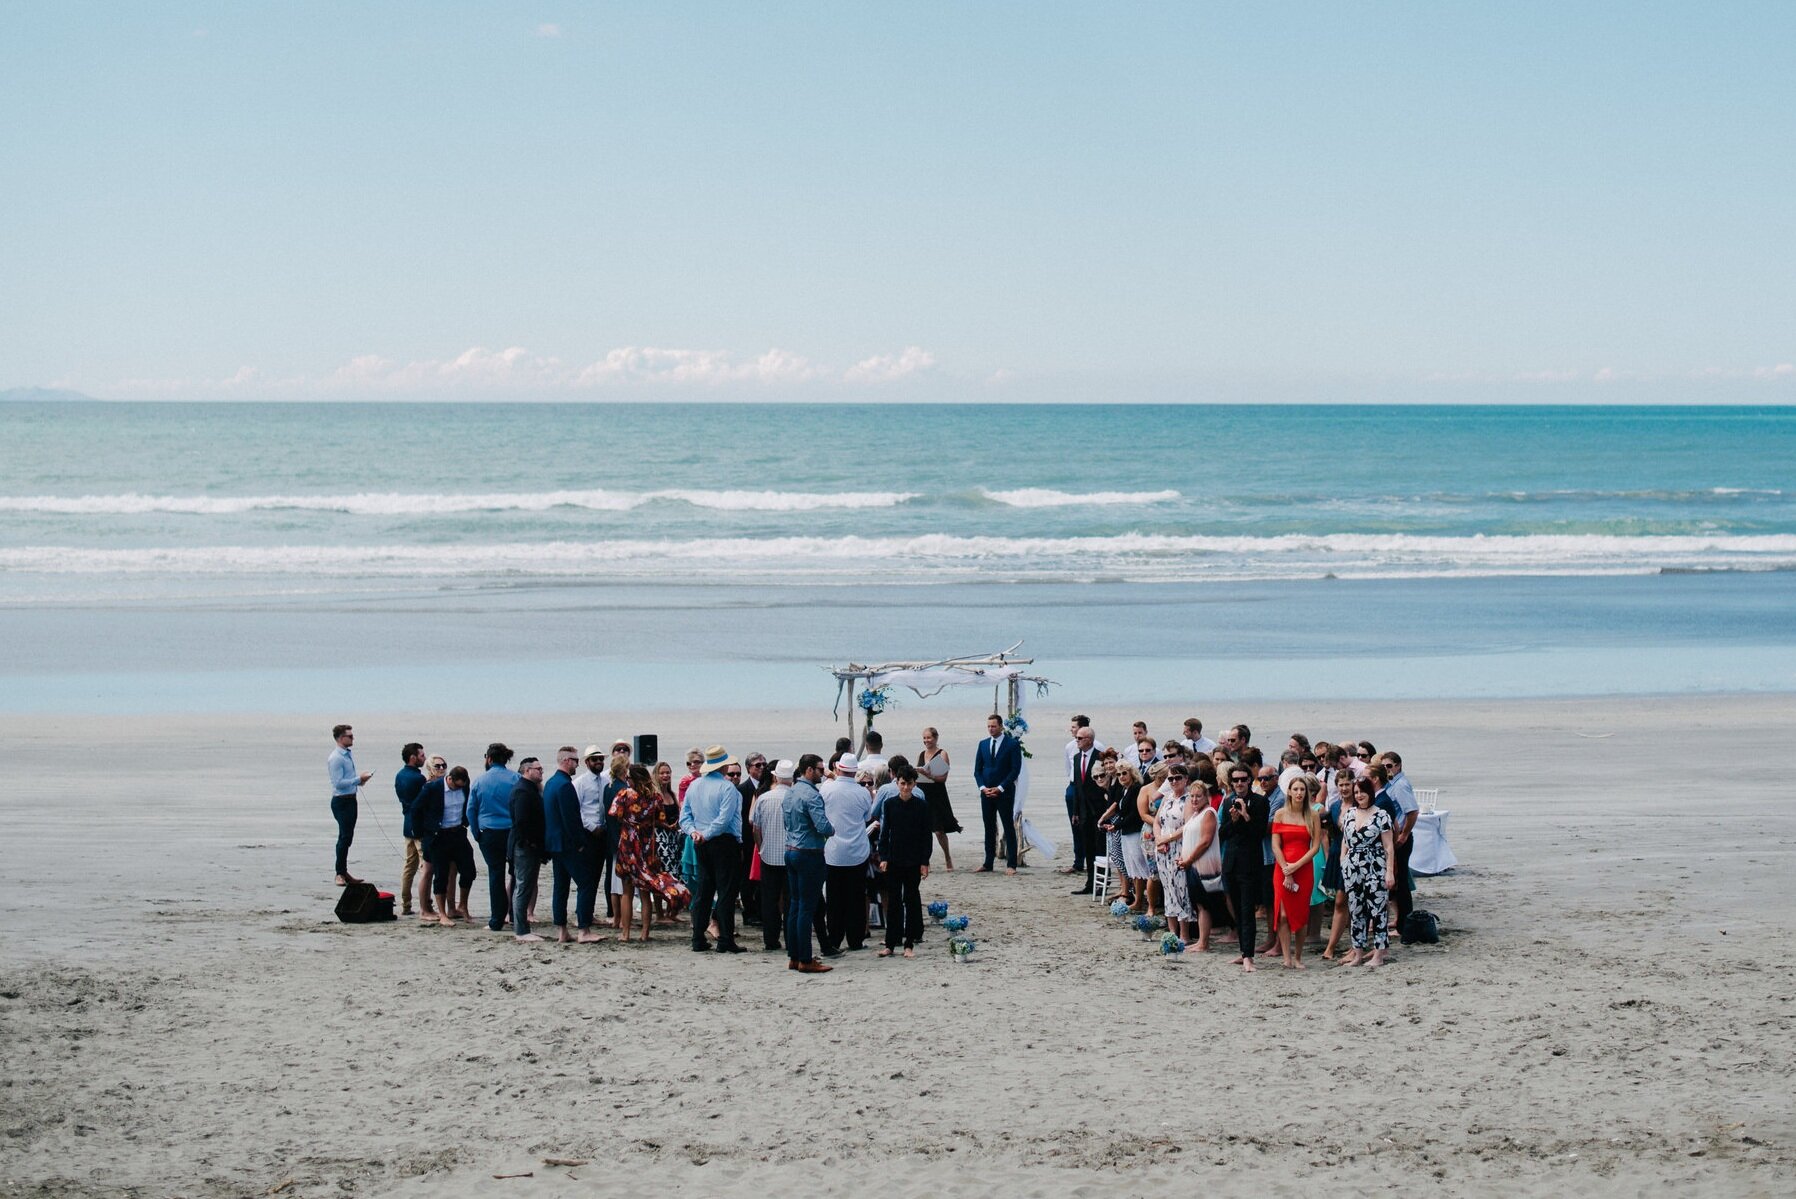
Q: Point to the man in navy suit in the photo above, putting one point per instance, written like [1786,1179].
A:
[995,770]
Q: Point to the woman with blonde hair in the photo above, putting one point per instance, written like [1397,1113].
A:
[1296,830]
[638,813]
[1147,804]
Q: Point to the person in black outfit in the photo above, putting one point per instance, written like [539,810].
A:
[1089,801]
[1243,831]
[906,841]
[527,851]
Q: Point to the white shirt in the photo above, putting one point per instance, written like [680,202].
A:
[589,789]
[455,807]
[769,818]
[1201,744]
[1072,752]
[876,763]
[1286,775]
[849,806]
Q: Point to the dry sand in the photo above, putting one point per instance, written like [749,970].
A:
[1609,1011]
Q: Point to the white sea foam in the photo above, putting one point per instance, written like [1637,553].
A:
[1044,497]
[946,558]
[432,504]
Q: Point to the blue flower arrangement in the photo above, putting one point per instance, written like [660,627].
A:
[1147,926]
[1016,726]
[875,700]
[955,924]
[1120,908]
[1170,943]
[938,909]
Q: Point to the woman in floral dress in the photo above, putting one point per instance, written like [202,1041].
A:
[1169,830]
[1366,873]
[639,812]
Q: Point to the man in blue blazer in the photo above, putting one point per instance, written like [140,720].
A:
[995,770]
[565,840]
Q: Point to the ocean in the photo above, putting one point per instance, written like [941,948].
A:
[248,557]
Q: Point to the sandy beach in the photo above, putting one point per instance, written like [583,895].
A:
[1609,1011]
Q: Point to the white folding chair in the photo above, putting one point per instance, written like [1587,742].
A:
[1100,877]
[1428,798]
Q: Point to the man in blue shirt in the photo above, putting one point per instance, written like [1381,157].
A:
[489,819]
[345,782]
[406,785]
[712,816]
[808,829]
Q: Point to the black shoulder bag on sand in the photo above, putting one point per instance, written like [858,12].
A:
[1421,928]
[364,903]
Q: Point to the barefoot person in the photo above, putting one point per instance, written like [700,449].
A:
[638,813]
[439,817]
[1243,829]
[933,767]
[904,849]
[1367,872]
[345,782]
[1296,838]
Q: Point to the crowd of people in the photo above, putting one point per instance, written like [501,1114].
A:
[1205,834]
[1210,834]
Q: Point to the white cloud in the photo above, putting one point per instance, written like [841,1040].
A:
[883,368]
[548,29]
[518,371]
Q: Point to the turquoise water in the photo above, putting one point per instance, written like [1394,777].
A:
[1480,550]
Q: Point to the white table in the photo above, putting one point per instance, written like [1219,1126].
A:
[1432,854]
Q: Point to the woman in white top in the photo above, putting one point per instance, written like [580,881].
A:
[1200,857]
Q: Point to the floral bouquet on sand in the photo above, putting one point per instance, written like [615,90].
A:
[938,910]
[956,924]
[1147,926]
[1171,944]
[960,948]
[1120,909]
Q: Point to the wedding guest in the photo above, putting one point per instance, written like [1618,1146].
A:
[345,782]
[1129,862]
[1119,783]
[749,780]
[933,768]
[849,807]
[406,785]
[1084,741]
[526,839]
[873,752]
[995,770]
[1088,805]
[688,871]
[1404,796]
[1194,736]
[1147,805]
[617,779]
[1331,871]
[638,814]
[1296,837]
[1367,865]
[711,816]
[569,847]
[435,770]
[439,816]
[1169,830]
[667,834]
[808,829]
[1243,867]
[489,819]
[767,821]
[1200,857]
[904,851]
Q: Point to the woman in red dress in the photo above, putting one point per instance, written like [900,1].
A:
[639,812]
[1296,836]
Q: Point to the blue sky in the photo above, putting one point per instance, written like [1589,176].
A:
[1554,202]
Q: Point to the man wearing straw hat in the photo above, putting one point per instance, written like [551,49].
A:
[711,815]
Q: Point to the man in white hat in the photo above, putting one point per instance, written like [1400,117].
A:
[711,815]
[849,807]
[768,818]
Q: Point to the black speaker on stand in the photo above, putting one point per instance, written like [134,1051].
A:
[645,748]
